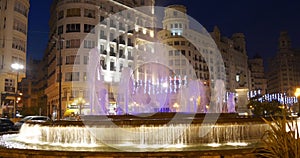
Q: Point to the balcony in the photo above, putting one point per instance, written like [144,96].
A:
[122,42]
[104,22]
[121,54]
[130,32]
[130,44]
[112,68]
[113,25]
[112,54]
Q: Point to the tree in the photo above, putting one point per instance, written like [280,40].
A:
[264,108]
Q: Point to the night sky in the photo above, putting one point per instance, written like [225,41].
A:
[260,20]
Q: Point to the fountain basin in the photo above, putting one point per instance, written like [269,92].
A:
[152,134]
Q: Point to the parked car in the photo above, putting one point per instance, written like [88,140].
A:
[19,124]
[6,125]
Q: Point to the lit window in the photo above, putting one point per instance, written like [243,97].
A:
[237,78]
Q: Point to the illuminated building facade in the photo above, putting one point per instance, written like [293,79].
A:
[284,68]
[76,27]
[13,48]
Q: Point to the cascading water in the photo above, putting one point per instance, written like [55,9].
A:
[143,137]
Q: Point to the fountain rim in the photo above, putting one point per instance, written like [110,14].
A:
[148,119]
[194,153]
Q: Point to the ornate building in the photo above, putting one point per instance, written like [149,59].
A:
[258,78]
[235,58]
[284,68]
[13,49]
[187,57]
[115,28]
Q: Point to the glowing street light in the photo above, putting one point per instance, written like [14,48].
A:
[297,94]
[17,67]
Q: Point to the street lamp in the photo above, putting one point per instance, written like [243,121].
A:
[81,102]
[17,67]
[297,94]
[58,42]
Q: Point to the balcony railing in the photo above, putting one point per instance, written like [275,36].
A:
[113,25]
[130,31]
[112,54]
[103,22]
[122,42]
[112,68]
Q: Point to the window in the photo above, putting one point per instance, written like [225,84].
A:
[182,43]
[17,60]
[176,43]
[237,78]
[170,62]
[21,8]
[170,53]
[73,43]
[60,30]
[72,76]
[121,67]
[20,26]
[102,35]
[111,8]
[73,12]
[177,53]
[121,26]
[73,28]
[18,44]
[84,77]
[85,60]
[111,36]
[183,52]
[112,66]
[72,59]
[89,28]
[9,85]
[60,15]
[89,13]
[101,47]
[89,44]
[121,53]
[102,20]
[112,24]
[175,13]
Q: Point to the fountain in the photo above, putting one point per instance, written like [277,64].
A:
[156,115]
